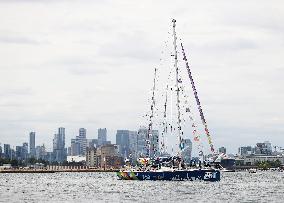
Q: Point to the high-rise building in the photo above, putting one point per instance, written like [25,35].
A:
[186,152]
[142,147]
[7,151]
[32,144]
[92,143]
[248,150]
[222,150]
[147,143]
[263,148]
[0,151]
[82,141]
[133,145]
[40,152]
[79,144]
[122,140]
[13,154]
[19,152]
[61,131]
[102,136]
[59,151]
[75,147]
[154,143]
[69,151]
[82,133]
[25,150]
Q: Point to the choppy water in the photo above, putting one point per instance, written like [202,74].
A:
[104,187]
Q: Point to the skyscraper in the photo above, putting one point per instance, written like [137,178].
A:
[142,148]
[248,150]
[22,151]
[61,131]
[102,136]
[19,152]
[40,152]
[7,151]
[122,140]
[25,150]
[82,133]
[148,147]
[154,141]
[59,151]
[32,144]
[92,143]
[82,140]
[0,151]
[222,150]
[75,147]
[79,144]
[263,148]
[133,144]
[186,152]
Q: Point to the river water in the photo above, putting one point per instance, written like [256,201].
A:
[105,187]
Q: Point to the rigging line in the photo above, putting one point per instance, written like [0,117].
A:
[198,101]
[187,108]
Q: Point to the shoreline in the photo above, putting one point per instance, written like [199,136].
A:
[57,171]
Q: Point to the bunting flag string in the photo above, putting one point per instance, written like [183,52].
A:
[198,101]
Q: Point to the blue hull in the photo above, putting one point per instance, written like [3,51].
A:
[196,174]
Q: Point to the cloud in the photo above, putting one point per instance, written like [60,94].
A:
[90,64]
[12,92]
[78,66]
[18,40]
[134,46]
[31,1]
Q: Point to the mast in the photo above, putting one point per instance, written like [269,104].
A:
[197,101]
[165,123]
[177,85]
[150,127]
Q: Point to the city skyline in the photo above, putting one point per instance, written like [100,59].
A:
[94,67]
[82,133]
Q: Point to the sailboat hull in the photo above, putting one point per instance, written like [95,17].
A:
[179,175]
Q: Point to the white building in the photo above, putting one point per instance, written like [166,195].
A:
[76,158]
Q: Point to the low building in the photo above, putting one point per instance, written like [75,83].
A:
[108,157]
[5,166]
[254,159]
[76,159]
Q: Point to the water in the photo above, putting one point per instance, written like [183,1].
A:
[104,187]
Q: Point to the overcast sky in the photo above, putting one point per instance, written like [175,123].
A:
[89,63]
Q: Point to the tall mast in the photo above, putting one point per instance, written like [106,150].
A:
[177,84]
[150,127]
[165,123]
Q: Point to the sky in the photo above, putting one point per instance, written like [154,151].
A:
[90,64]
